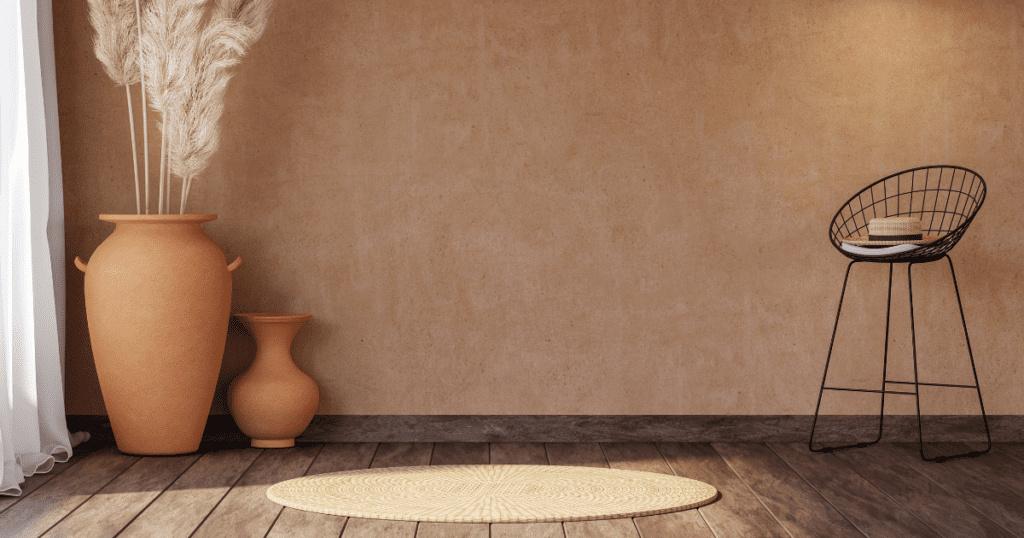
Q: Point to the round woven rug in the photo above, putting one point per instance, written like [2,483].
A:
[492,493]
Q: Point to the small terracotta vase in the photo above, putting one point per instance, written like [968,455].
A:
[158,302]
[273,401]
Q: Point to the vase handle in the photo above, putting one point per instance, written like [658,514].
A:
[234,265]
[81,265]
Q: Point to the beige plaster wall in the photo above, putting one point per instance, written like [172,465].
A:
[602,207]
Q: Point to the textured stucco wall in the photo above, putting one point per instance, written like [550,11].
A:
[603,207]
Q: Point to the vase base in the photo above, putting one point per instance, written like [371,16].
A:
[157,451]
[273,443]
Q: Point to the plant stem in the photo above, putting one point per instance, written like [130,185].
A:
[166,173]
[167,188]
[166,156]
[188,190]
[167,177]
[145,127]
[135,151]
[181,205]
[163,142]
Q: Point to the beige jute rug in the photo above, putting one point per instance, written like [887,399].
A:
[492,493]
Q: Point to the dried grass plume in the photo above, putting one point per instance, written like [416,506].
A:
[170,35]
[117,47]
[183,51]
[194,125]
[116,42]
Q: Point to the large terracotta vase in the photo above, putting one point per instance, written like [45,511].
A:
[273,401]
[158,302]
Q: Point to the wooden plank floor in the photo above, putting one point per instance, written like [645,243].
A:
[772,490]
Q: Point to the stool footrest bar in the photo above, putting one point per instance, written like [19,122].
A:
[869,390]
[933,384]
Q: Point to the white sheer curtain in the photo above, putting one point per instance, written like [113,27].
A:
[33,429]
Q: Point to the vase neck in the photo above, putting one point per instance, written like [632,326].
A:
[274,338]
[158,230]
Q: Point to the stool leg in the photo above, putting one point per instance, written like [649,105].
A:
[917,386]
[842,294]
[913,344]
[970,354]
[885,360]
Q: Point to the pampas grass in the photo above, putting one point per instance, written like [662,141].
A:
[115,43]
[188,51]
[194,129]
[116,46]
[171,30]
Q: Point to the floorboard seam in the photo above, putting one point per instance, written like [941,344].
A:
[343,525]
[91,495]
[376,446]
[281,509]
[987,473]
[700,512]
[272,523]
[752,492]
[547,455]
[664,459]
[952,493]
[1000,447]
[636,527]
[49,476]
[226,493]
[144,508]
[891,498]
[607,462]
[711,529]
[816,490]
[373,456]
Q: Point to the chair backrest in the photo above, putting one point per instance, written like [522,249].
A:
[945,198]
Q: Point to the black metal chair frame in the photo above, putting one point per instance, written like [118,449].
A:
[899,195]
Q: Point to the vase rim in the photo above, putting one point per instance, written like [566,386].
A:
[159,219]
[273,317]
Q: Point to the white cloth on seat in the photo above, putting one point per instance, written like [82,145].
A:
[879,251]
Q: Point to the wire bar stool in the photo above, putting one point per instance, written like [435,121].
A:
[946,199]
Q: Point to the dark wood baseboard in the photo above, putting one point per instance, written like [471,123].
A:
[617,428]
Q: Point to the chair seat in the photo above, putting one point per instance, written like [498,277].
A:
[873,252]
[945,199]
